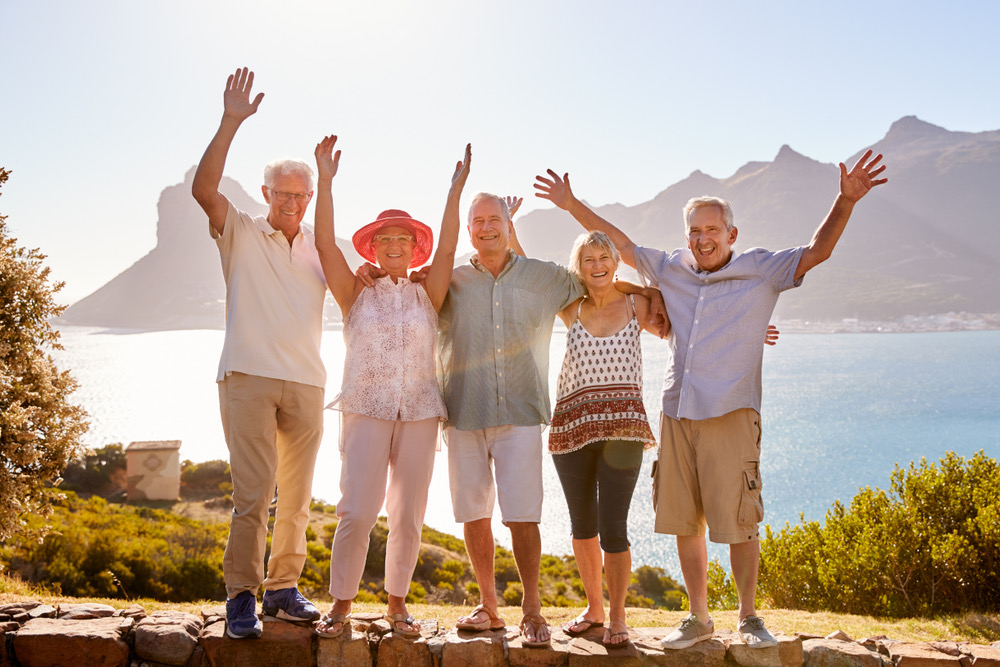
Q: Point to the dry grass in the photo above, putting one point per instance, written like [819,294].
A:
[973,628]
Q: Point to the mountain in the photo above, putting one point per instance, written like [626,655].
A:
[919,245]
[915,246]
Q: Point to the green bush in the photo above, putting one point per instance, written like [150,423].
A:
[928,546]
[722,593]
[514,594]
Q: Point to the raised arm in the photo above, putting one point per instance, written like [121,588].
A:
[237,108]
[558,191]
[514,203]
[854,185]
[339,278]
[439,275]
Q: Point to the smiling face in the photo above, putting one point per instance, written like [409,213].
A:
[708,239]
[287,199]
[393,249]
[489,226]
[597,267]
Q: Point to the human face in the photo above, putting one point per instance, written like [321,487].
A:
[708,239]
[489,227]
[287,213]
[597,267]
[392,252]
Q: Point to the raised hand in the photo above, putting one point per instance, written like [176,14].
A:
[327,161]
[513,203]
[856,183]
[236,99]
[462,169]
[556,190]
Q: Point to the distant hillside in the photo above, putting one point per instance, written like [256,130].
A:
[920,245]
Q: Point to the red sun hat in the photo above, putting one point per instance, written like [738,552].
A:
[424,237]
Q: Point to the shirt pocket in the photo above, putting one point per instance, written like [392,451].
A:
[751,503]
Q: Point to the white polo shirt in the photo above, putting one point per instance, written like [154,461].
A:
[274,301]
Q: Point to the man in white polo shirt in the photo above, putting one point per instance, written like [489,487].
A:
[271,377]
[719,303]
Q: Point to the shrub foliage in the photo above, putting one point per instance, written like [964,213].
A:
[928,546]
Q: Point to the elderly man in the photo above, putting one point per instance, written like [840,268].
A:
[719,304]
[271,377]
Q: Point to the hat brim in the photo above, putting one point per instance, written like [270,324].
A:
[422,234]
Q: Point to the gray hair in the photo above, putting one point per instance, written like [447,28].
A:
[486,195]
[287,167]
[597,239]
[700,202]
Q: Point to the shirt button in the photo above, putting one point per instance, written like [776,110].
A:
[496,303]
[701,298]
[691,346]
[498,349]
[687,370]
[696,321]
[498,326]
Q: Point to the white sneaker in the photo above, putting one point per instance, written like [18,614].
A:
[754,634]
[688,633]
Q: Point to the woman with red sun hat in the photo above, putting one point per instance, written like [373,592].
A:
[390,402]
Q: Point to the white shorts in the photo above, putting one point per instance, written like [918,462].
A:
[514,455]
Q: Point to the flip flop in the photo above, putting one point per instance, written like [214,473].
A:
[406,619]
[534,621]
[329,620]
[614,644]
[481,626]
[580,620]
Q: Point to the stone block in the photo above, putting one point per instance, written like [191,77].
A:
[470,649]
[23,605]
[983,656]
[788,653]
[85,611]
[396,651]
[709,653]
[42,611]
[197,658]
[46,642]
[557,655]
[282,644]
[132,611]
[920,655]
[584,651]
[841,635]
[347,650]
[838,653]
[167,637]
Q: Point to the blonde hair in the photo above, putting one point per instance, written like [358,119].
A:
[598,240]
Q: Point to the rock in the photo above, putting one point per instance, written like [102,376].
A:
[24,605]
[347,650]
[467,649]
[788,653]
[168,637]
[396,651]
[42,611]
[85,611]
[709,653]
[132,611]
[211,615]
[20,617]
[9,626]
[197,658]
[45,642]
[838,653]
[983,656]
[282,644]
[557,654]
[920,655]
[841,635]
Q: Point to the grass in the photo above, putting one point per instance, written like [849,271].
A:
[972,628]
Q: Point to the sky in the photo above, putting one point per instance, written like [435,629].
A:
[105,103]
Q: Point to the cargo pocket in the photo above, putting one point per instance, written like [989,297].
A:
[751,503]
[656,483]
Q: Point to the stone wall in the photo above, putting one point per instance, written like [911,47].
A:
[95,635]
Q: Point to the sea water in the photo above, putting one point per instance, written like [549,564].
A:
[839,411]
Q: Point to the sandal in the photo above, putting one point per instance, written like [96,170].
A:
[489,624]
[328,621]
[406,619]
[580,620]
[532,623]
[611,643]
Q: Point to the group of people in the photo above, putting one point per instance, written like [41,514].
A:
[464,351]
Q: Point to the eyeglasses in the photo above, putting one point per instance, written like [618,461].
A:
[281,197]
[386,239]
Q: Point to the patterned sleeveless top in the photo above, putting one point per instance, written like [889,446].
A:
[599,396]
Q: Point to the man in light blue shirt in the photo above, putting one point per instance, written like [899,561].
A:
[719,304]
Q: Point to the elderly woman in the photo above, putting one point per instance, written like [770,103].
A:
[390,400]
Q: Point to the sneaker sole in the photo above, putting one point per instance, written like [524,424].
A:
[253,634]
[687,643]
[765,644]
[285,616]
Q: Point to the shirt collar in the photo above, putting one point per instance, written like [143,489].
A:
[512,258]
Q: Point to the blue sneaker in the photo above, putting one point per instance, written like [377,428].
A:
[290,605]
[241,616]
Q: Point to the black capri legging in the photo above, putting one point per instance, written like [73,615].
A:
[598,481]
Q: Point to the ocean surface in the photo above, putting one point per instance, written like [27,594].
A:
[839,411]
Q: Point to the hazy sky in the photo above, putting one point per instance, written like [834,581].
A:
[106,103]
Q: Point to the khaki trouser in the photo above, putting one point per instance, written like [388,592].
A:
[273,430]
[373,449]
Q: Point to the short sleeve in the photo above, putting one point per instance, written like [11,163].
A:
[650,263]
[778,268]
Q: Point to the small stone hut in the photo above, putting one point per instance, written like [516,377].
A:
[154,470]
